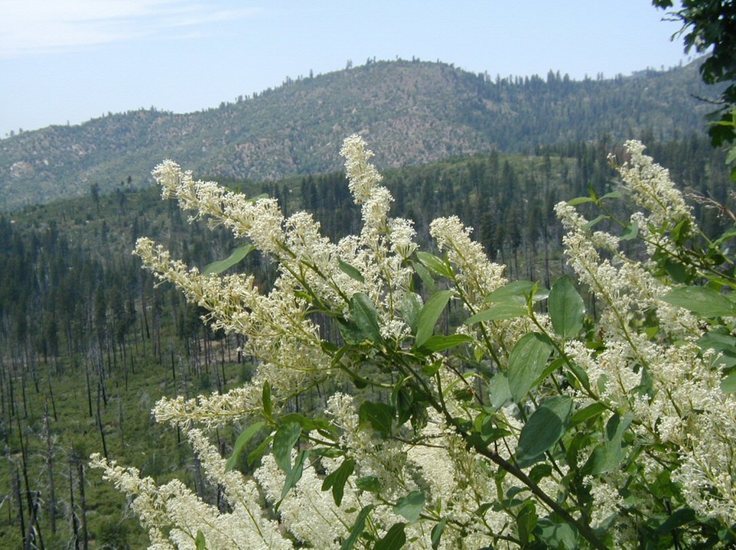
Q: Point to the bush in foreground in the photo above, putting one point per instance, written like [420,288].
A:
[456,409]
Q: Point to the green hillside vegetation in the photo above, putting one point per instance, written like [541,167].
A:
[415,112]
[89,342]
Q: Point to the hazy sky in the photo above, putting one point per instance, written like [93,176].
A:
[71,60]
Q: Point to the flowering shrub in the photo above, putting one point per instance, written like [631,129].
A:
[461,410]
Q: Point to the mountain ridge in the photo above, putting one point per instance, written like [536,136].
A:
[410,112]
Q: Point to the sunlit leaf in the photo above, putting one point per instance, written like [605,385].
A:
[702,301]
[728,384]
[442,343]
[350,271]
[499,391]
[498,312]
[434,264]
[519,289]
[238,255]
[410,506]
[580,200]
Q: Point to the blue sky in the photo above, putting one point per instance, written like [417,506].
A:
[71,60]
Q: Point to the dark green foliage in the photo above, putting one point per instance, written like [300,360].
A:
[709,26]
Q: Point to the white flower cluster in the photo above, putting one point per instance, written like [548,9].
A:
[174,516]
[280,334]
[667,382]
[661,382]
[652,188]
[476,274]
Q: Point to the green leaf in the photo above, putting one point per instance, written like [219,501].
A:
[608,456]
[580,375]
[717,340]
[294,474]
[526,363]
[437,531]
[200,543]
[595,221]
[486,431]
[617,426]
[350,271]
[612,195]
[516,289]
[429,315]
[728,235]
[442,343]
[368,483]
[266,399]
[432,369]
[256,454]
[357,528]
[556,535]
[631,232]
[499,391]
[283,442]
[241,442]
[363,314]
[425,276]
[378,415]
[544,428]
[393,540]
[411,306]
[337,479]
[702,301]
[410,506]
[434,264]
[402,399]
[215,268]
[498,312]
[728,384]
[604,458]
[721,340]
[580,200]
[566,308]
[350,332]
[678,518]
[540,471]
[308,424]
[586,413]
[680,232]
[526,521]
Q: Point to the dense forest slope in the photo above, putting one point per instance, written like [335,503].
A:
[410,112]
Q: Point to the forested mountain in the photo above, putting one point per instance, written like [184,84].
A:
[411,112]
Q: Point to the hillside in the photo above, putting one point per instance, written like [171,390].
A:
[411,112]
